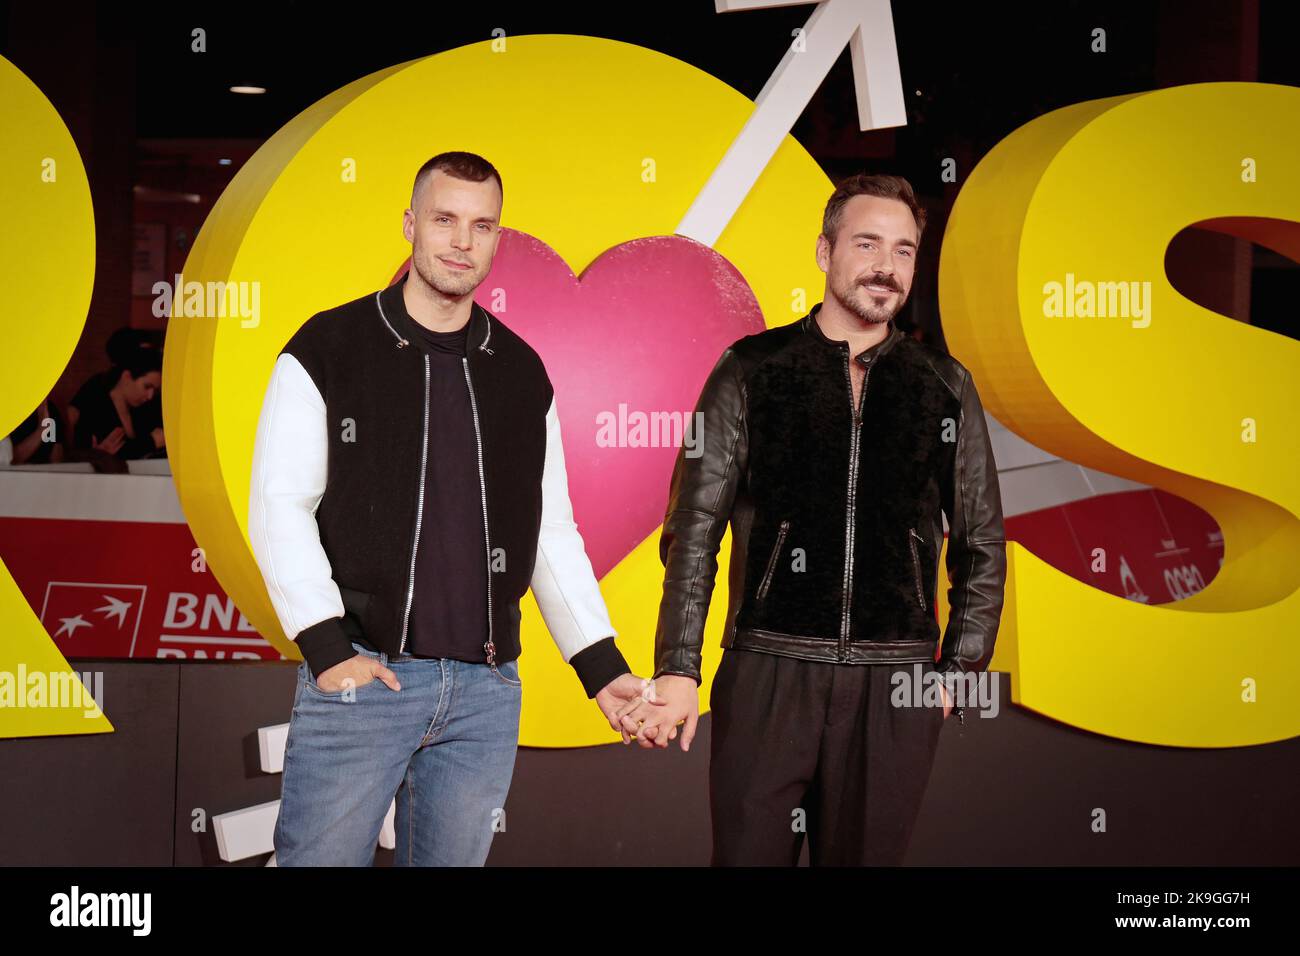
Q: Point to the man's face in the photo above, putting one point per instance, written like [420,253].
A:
[869,269]
[453,227]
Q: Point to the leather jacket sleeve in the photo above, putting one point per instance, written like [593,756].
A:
[977,556]
[700,499]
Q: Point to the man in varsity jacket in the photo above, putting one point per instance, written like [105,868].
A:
[408,487]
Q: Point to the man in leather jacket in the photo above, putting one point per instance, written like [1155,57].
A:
[834,446]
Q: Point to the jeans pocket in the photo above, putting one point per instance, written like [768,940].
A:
[507,673]
[310,683]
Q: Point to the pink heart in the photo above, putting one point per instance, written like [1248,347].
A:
[643,326]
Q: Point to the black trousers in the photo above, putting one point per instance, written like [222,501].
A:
[817,748]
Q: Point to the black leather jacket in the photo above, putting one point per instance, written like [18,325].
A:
[836,516]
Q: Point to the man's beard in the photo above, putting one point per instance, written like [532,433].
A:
[454,285]
[857,299]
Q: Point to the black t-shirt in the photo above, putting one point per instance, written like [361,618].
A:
[449,607]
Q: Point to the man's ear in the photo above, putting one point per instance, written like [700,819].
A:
[408,225]
[823,252]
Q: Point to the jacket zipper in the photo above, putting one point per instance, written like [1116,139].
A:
[853,472]
[849,527]
[424,451]
[771,562]
[489,647]
[912,538]
[419,506]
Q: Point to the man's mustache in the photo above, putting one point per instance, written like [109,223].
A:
[882,281]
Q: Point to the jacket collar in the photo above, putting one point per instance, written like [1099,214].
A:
[392,310]
[865,357]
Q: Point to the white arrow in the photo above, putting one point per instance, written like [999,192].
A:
[115,608]
[70,625]
[868,27]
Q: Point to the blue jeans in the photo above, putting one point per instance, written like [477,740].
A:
[444,746]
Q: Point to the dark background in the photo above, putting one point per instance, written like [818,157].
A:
[152,119]
[1015,790]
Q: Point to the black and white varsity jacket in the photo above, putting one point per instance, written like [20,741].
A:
[338,482]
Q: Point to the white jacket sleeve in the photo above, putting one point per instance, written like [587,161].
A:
[563,580]
[288,480]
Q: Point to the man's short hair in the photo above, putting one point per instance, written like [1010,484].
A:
[886,187]
[470,166]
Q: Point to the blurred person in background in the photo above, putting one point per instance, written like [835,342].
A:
[105,413]
[120,346]
[40,438]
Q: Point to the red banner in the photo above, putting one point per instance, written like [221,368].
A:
[139,588]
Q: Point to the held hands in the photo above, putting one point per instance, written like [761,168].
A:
[653,718]
[650,711]
[355,672]
[621,694]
